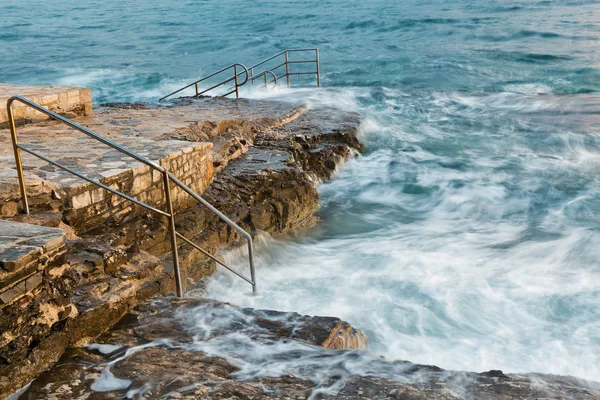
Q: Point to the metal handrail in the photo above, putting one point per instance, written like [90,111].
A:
[249,73]
[287,63]
[167,178]
[234,77]
[265,73]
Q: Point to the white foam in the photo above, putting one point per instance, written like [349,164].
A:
[107,382]
[104,348]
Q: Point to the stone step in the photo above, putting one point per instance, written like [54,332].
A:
[66,100]
[25,251]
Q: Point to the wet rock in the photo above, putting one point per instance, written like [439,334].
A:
[269,187]
[192,348]
[127,106]
[168,330]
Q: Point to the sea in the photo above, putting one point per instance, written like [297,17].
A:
[467,235]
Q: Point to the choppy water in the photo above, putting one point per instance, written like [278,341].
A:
[468,234]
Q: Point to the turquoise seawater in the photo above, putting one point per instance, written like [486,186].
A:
[468,235]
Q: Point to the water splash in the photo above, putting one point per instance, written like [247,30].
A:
[466,237]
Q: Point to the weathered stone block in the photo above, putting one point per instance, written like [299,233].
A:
[13,293]
[85,95]
[33,281]
[141,183]
[73,94]
[10,209]
[156,176]
[16,256]
[81,200]
[62,99]
[98,195]
[49,98]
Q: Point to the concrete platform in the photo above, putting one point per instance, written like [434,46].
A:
[67,100]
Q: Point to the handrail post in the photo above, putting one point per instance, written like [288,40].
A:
[266,85]
[178,285]
[252,75]
[17,151]
[251,261]
[197,89]
[318,68]
[287,68]
[237,93]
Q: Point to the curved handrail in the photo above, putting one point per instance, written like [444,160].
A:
[249,72]
[235,77]
[264,73]
[167,177]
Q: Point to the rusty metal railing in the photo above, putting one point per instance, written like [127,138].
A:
[167,179]
[234,78]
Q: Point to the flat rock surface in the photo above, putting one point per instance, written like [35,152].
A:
[20,243]
[193,348]
[134,126]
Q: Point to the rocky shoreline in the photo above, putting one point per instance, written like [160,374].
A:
[196,348]
[267,172]
[108,285]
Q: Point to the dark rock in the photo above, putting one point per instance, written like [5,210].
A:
[127,106]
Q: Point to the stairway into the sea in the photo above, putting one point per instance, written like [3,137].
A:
[270,71]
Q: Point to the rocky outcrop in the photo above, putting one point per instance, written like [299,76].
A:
[190,349]
[232,137]
[266,173]
[76,297]
[157,328]
[269,186]
[274,184]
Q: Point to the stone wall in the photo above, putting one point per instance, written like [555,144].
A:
[87,207]
[62,296]
[30,255]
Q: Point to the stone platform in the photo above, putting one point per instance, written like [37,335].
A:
[142,129]
[66,100]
